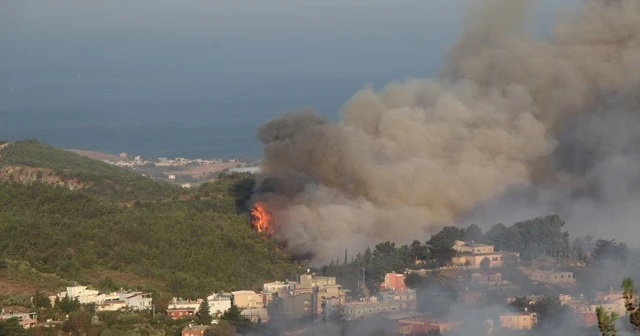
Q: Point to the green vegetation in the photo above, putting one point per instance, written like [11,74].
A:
[192,244]
[98,177]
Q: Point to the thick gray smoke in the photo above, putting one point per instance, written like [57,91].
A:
[556,121]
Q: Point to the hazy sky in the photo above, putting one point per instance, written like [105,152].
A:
[229,38]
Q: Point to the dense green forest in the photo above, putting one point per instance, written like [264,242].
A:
[191,244]
[99,177]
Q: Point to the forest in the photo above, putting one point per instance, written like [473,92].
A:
[185,244]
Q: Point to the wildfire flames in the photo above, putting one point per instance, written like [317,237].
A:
[261,219]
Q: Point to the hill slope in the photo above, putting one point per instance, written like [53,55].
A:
[57,166]
[192,244]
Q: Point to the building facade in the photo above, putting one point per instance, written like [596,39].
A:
[518,321]
[246,299]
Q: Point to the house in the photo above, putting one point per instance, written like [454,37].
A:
[618,306]
[137,300]
[219,303]
[178,313]
[179,303]
[518,321]
[172,177]
[277,286]
[549,277]
[471,255]
[26,320]
[192,330]
[609,295]
[246,299]
[114,305]
[426,326]
[394,282]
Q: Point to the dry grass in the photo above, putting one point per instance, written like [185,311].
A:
[95,155]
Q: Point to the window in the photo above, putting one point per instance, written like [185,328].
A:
[569,276]
[384,309]
[394,308]
[377,310]
[359,312]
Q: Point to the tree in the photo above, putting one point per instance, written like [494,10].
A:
[441,244]
[633,306]
[606,322]
[234,317]
[485,264]
[11,327]
[67,305]
[41,301]
[610,250]
[204,317]
[474,233]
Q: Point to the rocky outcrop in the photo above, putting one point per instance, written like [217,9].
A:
[29,175]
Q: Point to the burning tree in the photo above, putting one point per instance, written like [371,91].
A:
[261,219]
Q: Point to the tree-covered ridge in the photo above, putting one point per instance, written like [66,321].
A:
[195,246]
[97,177]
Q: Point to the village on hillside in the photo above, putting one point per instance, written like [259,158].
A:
[477,272]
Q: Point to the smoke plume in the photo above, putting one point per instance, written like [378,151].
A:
[551,124]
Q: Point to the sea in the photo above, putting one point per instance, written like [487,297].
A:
[159,114]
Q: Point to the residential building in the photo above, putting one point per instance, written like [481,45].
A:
[618,306]
[549,277]
[277,286]
[192,330]
[471,255]
[115,305]
[178,313]
[425,326]
[26,320]
[394,282]
[519,321]
[609,295]
[246,299]
[179,303]
[487,278]
[219,303]
[329,294]
[313,281]
[137,300]
[409,296]
[357,310]
[296,303]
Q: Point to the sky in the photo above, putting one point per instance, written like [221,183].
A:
[235,39]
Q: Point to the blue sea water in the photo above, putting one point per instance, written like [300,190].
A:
[116,111]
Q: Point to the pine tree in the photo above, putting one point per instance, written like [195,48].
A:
[204,317]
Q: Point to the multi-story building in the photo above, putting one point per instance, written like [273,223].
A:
[427,326]
[277,286]
[549,277]
[246,299]
[488,278]
[219,303]
[26,320]
[519,321]
[137,300]
[394,282]
[297,303]
[314,281]
[408,296]
[358,310]
[471,255]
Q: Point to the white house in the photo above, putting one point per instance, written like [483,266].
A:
[137,300]
[219,303]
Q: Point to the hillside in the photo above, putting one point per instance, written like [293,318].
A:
[188,245]
[51,165]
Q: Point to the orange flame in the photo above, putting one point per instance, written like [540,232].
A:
[261,219]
